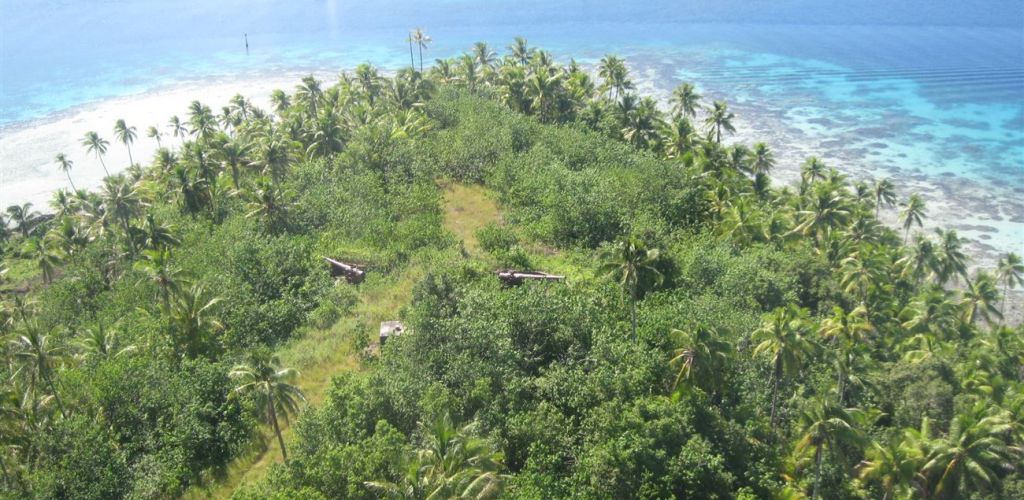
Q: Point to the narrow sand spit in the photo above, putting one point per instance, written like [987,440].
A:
[27,169]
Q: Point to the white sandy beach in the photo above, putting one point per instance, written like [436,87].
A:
[27,169]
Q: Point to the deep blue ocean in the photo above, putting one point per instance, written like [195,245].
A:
[924,87]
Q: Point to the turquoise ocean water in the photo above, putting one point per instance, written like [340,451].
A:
[922,88]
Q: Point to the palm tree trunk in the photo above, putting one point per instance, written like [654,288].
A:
[775,389]
[130,160]
[277,429]
[73,188]
[104,165]
[906,235]
[633,317]
[421,58]
[817,471]
[412,61]
[56,397]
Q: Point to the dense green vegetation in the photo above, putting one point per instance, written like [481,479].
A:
[717,336]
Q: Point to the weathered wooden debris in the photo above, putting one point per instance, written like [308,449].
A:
[390,329]
[352,274]
[516,278]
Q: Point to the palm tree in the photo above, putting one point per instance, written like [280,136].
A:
[895,463]
[782,336]
[970,458]
[719,118]
[45,256]
[850,331]
[631,264]
[422,40]
[913,213]
[280,101]
[190,315]
[813,169]
[702,357]
[685,101]
[951,259]
[201,119]
[827,211]
[763,159]
[154,133]
[156,264]
[37,356]
[642,124]
[520,51]
[65,166]
[884,194]
[451,463]
[1010,272]
[980,298]
[24,217]
[484,56]
[126,135]
[156,235]
[121,201]
[309,93]
[178,128]
[677,137]
[272,387]
[825,425]
[615,74]
[101,343]
[95,144]
[412,60]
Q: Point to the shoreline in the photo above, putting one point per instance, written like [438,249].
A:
[28,173]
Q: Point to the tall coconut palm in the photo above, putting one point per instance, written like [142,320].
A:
[1009,272]
[26,218]
[154,133]
[685,101]
[44,254]
[126,135]
[422,41]
[631,263]
[520,51]
[157,266]
[972,456]
[96,145]
[812,170]
[36,355]
[895,463]
[485,57]
[847,331]
[178,128]
[451,463]
[101,343]
[824,425]
[950,257]
[763,159]
[783,336]
[980,299]
[884,194]
[201,119]
[677,137]
[192,320]
[826,212]
[309,93]
[913,213]
[615,74]
[64,164]
[280,101]
[271,386]
[719,118]
[702,357]
[121,201]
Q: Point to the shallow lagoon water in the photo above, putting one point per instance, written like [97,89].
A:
[931,93]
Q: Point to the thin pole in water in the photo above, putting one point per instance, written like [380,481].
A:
[246,43]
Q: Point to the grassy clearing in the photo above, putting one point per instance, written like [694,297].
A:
[320,354]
